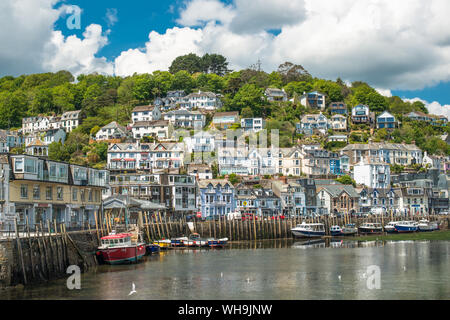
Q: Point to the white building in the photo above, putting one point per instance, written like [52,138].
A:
[111,131]
[71,120]
[200,142]
[161,129]
[186,119]
[252,124]
[373,174]
[202,100]
[338,122]
[145,113]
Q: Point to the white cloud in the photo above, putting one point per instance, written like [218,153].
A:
[111,17]
[159,51]
[77,55]
[433,107]
[197,12]
[384,92]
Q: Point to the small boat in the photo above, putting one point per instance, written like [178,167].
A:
[163,244]
[153,248]
[217,243]
[349,229]
[425,225]
[406,226]
[178,242]
[119,249]
[336,231]
[309,230]
[390,227]
[371,228]
[195,241]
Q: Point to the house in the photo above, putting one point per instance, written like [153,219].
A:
[261,161]
[252,124]
[289,162]
[171,101]
[37,148]
[390,153]
[373,174]
[386,199]
[338,122]
[201,141]
[10,140]
[186,119]
[317,162]
[200,171]
[275,94]
[36,190]
[55,135]
[233,160]
[224,120]
[146,156]
[432,162]
[145,113]
[338,138]
[207,101]
[361,115]
[414,199]
[292,197]
[31,125]
[345,163]
[431,118]
[314,100]
[267,203]
[216,197]
[311,123]
[338,107]
[71,120]
[386,121]
[336,198]
[112,131]
[160,129]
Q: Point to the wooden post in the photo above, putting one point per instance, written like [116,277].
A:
[31,250]
[146,223]
[55,240]
[254,227]
[46,249]
[96,226]
[19,247]
[41,253]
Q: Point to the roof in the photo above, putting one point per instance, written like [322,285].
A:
[224,114]
[381,145]
[36,143]
[335,190]
[143,108]
[215,182]
[157,123]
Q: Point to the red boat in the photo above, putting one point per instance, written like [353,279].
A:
[118,249]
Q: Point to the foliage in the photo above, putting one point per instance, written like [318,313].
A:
[346,180]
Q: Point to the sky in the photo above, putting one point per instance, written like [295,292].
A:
[399,47]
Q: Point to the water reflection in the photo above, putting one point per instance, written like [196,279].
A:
[283,269]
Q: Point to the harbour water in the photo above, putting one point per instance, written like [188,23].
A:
[275,270]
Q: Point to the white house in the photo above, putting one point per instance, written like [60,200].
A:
[145,113]
[252,124]
[186,119]
[71,120]
[314,100]
[200,142]
[275,94]
[338,122]
[161,129]
[202,100]
[111,131]
[373,174]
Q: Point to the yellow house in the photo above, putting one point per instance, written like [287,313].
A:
[42,190]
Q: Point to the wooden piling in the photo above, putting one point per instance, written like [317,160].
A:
[33,272]
[19,247]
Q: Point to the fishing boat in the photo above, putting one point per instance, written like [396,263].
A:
[406,226]
[217,243]
[390,227]
[425,226]
[370,228]
[178,242]
[119,249]
[309,230]
[195,241]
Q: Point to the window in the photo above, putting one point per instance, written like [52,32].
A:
[24,191]
[82,196]
[36,192]
[18,165]
[49,193]
[74,194]
[90,195]
[30,165]
[59,192]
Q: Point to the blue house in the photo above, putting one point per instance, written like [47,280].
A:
[216,197]
[335,166]
[338,108]
[386,121]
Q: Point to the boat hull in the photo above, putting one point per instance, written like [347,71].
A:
[123,255]
[307,234]
[405,229]
[217,243]
[153,248]
[370,230]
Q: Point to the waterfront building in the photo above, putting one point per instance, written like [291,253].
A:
[216,197]
[336,198]
[43,190]
[292,196]
[289,162]
[386,199]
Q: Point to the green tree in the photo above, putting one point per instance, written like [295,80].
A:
[190,63]
[346,180]
[214,63]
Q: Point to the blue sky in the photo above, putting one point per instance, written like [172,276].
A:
[406,55]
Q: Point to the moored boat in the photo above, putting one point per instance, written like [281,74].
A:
[349,229]
[336,231]
[370,228]
[119,249]
[217,243]
[178,242]
[406,226]
[153,248]
[309,230]
[195,241]
[425,226]
[390,227]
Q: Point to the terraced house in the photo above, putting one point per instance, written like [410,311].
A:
[40,190]
[216,197]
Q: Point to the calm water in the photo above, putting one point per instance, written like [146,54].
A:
[269,270]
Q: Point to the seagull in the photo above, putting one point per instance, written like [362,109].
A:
[221,274]
[133,289]
[404,268]
[248,280]
[339,277]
